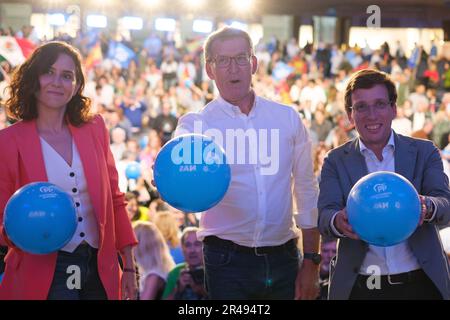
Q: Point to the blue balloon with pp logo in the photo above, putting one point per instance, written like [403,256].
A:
[191,173]
[40,218]
[133,170]
[383,208]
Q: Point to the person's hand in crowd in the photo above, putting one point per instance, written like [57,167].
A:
[343,226]
[185,280]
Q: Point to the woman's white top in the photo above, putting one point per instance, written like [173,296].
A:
[72,180]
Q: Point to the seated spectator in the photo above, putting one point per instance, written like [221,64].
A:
[153,260]
[165,123]
[425,132]
[321,125]
[328,251]
[401,124]
[135,212]
[186,280]
[118,145]
[167,224]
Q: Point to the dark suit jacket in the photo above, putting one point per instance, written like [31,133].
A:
[417,160]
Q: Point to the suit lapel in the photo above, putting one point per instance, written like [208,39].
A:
[405,158]
[354,162]
[83,139]
[405,163]
[30,150]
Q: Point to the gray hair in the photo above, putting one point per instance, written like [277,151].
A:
[186,231]
[224,34]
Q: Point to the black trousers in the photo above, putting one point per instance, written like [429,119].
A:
[413,285]
[64,284]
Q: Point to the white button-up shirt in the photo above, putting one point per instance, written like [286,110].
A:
[72,180]
[393,259]
[257,209]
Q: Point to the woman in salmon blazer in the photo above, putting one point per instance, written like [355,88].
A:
[57,140]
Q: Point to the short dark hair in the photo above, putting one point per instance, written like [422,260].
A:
[130,195]
[25,83]
[366,79]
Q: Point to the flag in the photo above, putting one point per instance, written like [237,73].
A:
[194,45]
[11,50]
[94,57]
[120,53]
[26,45]
[92,38]
[281,70]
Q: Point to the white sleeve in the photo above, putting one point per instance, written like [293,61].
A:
[306,188]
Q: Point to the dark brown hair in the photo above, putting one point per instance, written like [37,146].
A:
[25,83]
[366,79]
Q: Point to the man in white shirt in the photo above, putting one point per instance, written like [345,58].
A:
[417,267]
[250,237]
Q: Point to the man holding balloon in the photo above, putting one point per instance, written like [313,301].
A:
[372,190]
[250,236]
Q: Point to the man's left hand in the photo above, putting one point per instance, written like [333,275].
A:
[307,283]
[424,213]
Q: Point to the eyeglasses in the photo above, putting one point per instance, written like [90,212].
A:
[364,108]
[224,61]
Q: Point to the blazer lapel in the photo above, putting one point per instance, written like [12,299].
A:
[83,139]
[30,150]
[354,162]
[405,158]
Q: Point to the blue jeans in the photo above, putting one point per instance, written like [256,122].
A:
[233,274]
[83,263]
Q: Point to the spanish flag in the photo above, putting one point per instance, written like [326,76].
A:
[94,57]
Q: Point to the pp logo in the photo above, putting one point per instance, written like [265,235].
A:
[46,189]
[380,187]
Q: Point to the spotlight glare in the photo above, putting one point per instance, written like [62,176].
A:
[242,5]
[96,21]
[195,3]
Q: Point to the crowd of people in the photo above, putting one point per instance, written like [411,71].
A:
[141,105]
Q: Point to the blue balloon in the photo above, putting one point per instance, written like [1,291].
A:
[133,170]
[40,218]
[143,141]
[191,173]
[383,208]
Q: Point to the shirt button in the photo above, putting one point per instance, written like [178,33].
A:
[72,174]
[80,219]
[74,190]
[82,234]
[77,204]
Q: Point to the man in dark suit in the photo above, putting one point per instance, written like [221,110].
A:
[416,268]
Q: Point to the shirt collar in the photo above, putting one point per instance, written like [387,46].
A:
[234,111]
[391,143]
